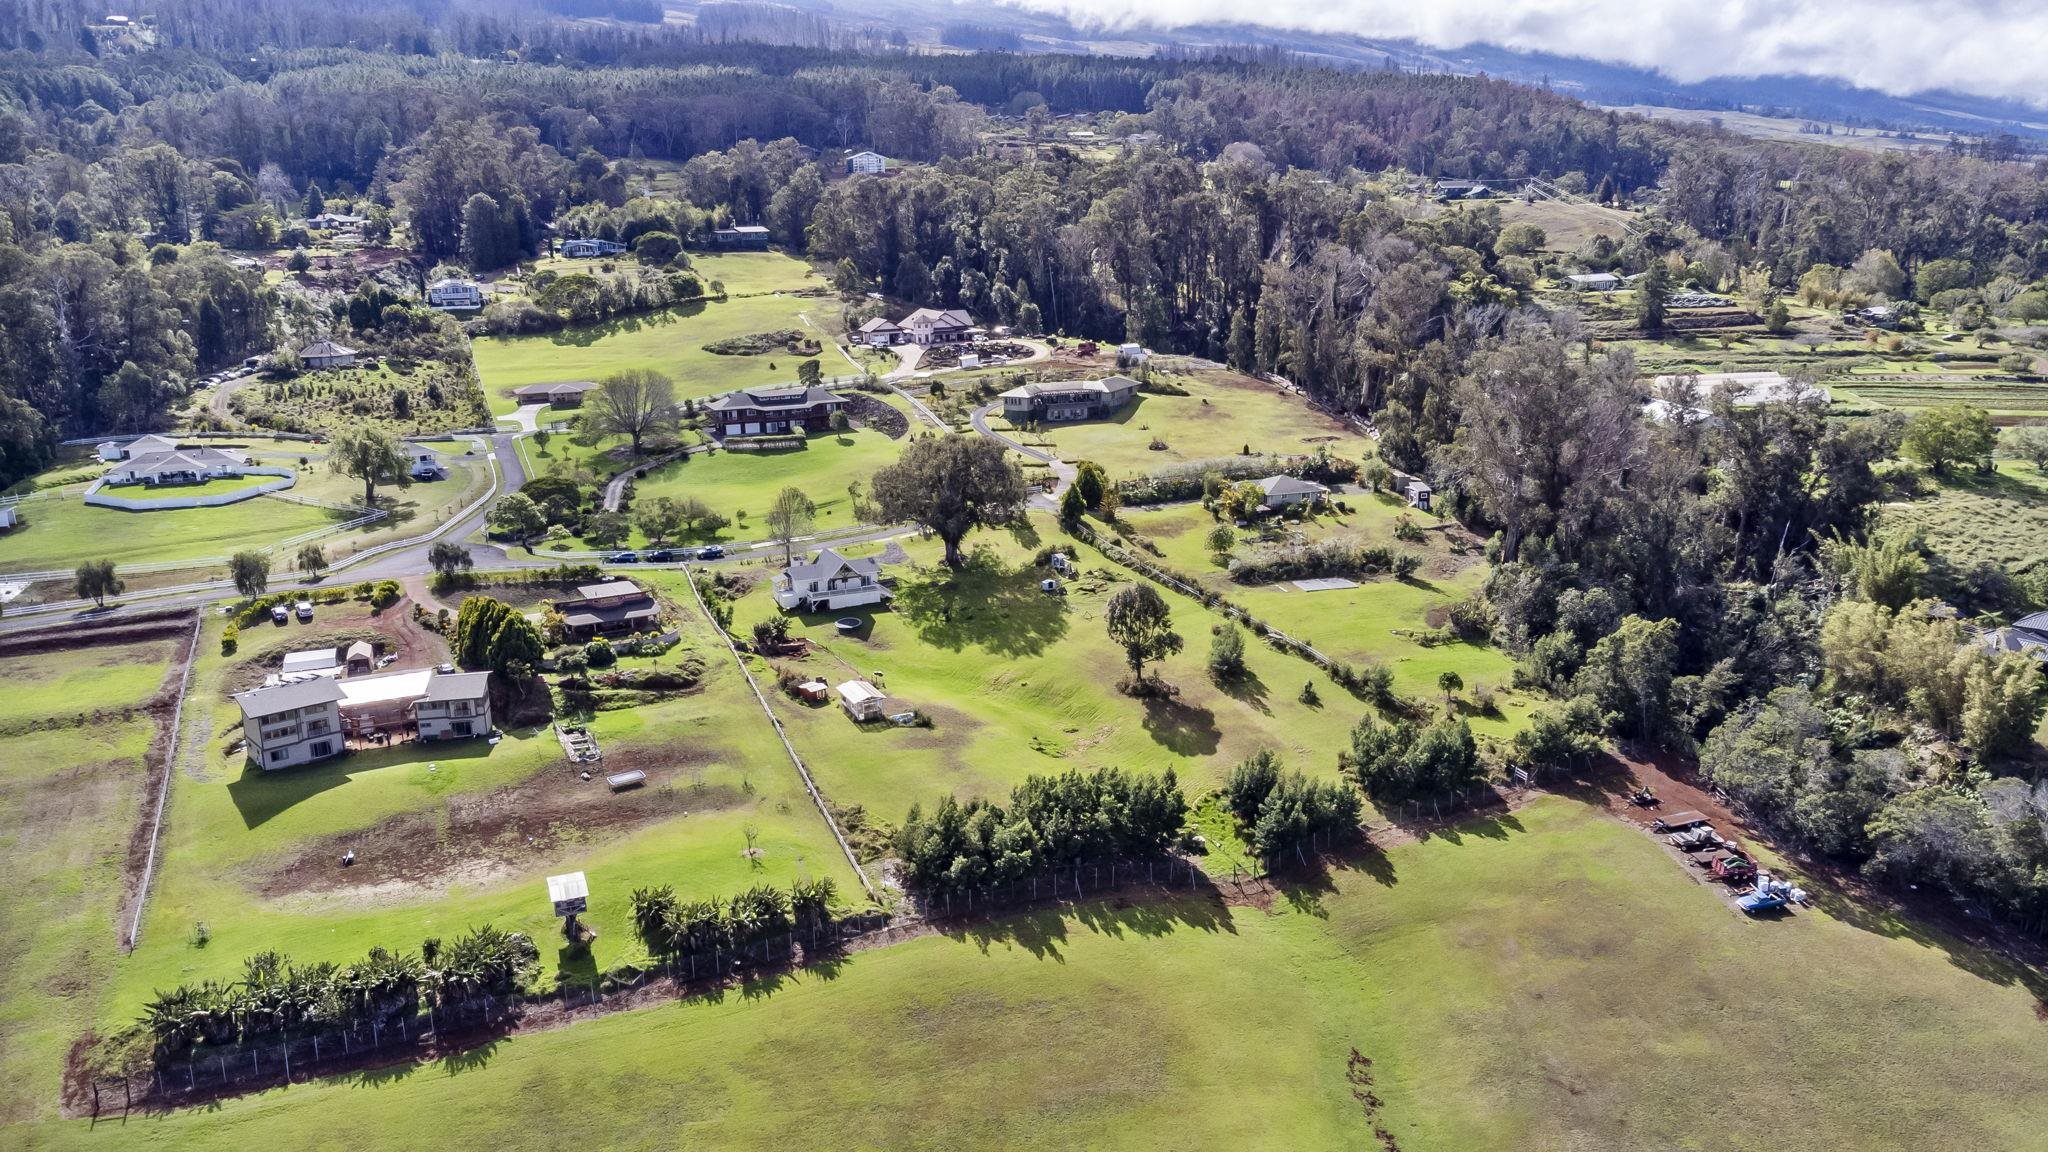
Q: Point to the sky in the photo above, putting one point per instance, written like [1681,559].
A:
[1993,48]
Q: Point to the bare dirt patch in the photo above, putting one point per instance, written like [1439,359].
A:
[473,837]
[393,632]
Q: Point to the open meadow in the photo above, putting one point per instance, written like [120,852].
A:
[763,296]
[2000,519]
[1548,978]
[74,729]
[1223,413]
[460,834]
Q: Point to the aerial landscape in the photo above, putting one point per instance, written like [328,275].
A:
[656,573]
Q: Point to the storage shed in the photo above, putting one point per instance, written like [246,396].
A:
[862,700]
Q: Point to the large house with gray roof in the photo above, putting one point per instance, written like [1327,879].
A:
[774,411]
[1049,403]
[311,715]
[829,582]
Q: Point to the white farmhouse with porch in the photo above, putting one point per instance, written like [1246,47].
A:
[829,582]
[1287,491]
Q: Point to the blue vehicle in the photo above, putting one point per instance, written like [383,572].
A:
[661,556]
[623,558]
[713,552]
[1759,902]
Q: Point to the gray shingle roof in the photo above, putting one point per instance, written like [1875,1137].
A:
[259,702]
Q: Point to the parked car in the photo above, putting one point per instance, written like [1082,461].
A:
[304,608]
[710,552]
[278,615]
[661,556]
[623,558]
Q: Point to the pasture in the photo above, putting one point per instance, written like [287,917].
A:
[1380,621]
[1018,682]
[72,738]
[1999,519]
[1223,413]
[463,833]
[1546,978]
[762,289]
[742,485]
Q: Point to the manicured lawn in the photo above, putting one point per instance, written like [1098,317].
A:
[1020,682]
[672,341]
[59,529]
[1223,413]
[437,832]
[736,482]
[1549,979]
[1378,621]
[70,792]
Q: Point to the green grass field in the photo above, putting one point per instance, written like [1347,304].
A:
[1549,979]
[760,287]
[736,482]
[1222,414]
[1019,682]
[1358,624]
[2001,519]
[59,529]
[71,774]
[442,832]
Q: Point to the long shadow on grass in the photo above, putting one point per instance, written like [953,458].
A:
[1136,911]
[1183,729]
[259,795]
[582,336]
[1248,690]
[983,605]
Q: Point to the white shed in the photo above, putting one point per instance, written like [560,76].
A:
[862,700]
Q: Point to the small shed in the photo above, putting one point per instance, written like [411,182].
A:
[1418,494]
[361,657]
[862,700]
[814,691]
[569,893]
[311,660]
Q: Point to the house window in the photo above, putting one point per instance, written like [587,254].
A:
[277,755]
[322,748]
[463,728]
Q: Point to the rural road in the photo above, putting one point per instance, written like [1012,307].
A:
[1063,472]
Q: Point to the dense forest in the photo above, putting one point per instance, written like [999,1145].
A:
[1688,583]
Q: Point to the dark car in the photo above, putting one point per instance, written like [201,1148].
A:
[661,556]
[713,552]
[623,558]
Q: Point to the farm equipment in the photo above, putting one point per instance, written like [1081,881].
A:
[1677,822]
[1643,797]
[1731,867]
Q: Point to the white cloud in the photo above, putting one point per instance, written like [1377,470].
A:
[1985,47]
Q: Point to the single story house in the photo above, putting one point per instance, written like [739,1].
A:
[1287,491]
[586,248]
[452,295]
[612,606]
[1419,493]
[1597,282]
[1462,190]
[337,222]
[740,236]
[183,466]
[1067,400]
[774,411]
[862,700]
[10,516]
[2027,636]
[1744,390]
[867,163]
[829,582]
[425,464]
[115,450]
[561,394]
[924,326]
[327,354]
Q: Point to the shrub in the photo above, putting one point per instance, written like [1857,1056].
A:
[1226,653]
[230,638]
[599,653]
[1248,785]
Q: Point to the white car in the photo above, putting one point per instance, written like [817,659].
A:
[304,608]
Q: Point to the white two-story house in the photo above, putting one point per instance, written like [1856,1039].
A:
[828,582]
[292,724]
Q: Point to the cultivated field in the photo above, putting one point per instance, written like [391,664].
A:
[1546,979]
[761,289]
[2000,519]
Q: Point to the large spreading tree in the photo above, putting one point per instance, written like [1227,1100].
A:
[951,485]
[370,456]
[635,404]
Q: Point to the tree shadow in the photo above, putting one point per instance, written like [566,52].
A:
[1183,729]
[1248,690]
[584,335]
[984,605]
[1491,821]
[471,1058]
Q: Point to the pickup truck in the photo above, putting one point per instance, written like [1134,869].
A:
[1759,902]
